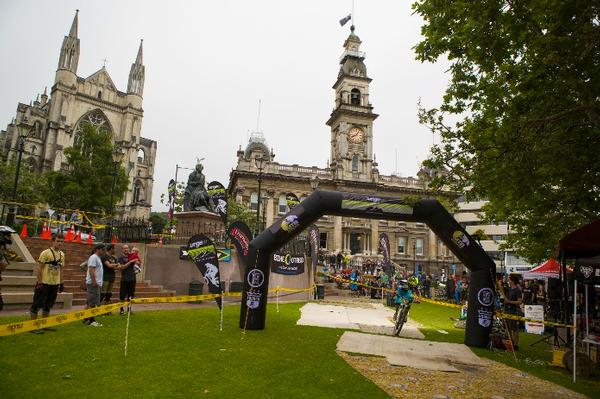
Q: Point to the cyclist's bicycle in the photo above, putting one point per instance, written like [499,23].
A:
[400,316]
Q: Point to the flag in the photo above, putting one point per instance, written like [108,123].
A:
[345,20]
[217,194]
[202,251]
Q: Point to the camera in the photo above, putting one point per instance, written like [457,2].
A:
[54,263]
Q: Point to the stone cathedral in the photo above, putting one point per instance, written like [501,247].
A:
[52,123]
[352,167]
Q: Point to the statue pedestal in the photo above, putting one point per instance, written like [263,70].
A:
[198,222]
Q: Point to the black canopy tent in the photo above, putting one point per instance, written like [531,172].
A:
[582,245]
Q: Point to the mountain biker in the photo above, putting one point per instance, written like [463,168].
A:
[404,292]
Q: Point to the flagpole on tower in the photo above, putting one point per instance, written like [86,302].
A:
[352,17]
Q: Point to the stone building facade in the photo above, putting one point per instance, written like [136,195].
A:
[352,168]
[52,123]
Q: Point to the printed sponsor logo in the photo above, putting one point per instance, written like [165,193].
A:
[241,238]
[61,318]
[485,296]
[290,223]
[460,239]
[484,317]
[288,259]
[256,278]
[586,271]
[15,327]
[253,299]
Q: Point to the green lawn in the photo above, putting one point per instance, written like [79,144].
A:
[181,354]
[435,317]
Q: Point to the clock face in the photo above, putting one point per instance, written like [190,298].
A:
[356,135]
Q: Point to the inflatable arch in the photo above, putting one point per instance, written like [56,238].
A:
[482,268]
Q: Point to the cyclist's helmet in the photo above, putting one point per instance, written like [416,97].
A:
[413,281]
[403,283]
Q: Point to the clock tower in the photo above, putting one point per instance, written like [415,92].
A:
[352,119]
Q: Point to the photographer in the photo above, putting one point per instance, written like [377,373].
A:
[49,281]
[5,233]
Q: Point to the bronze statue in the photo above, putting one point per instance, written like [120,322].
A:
[196,198]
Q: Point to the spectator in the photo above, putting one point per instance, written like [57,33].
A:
[427,286]
[49,281]
[527,293]
[127,289]
[93,280]
[450,288]
[512,302]
[109,264]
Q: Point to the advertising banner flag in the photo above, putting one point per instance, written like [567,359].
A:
[284,263]
[240,236]
[292,200]
[217,194]
[314,245]
[203,252]
[384,248]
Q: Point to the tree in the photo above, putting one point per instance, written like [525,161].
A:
[525,78]
[29,187]
[159,221]
[241,212]
[88,181]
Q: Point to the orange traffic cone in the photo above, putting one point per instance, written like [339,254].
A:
[78,237]
[44,234]
[24,231]
[70,236]
[89,239]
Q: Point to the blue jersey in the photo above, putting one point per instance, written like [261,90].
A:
[403,295]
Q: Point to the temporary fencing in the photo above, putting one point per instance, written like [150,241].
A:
[65,318]
[502,315]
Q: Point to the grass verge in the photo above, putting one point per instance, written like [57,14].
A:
[181,354]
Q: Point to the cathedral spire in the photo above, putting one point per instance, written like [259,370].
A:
[69,51]
[138,59]
[135,85]
[73,31]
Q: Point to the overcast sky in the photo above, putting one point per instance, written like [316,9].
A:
[209,62]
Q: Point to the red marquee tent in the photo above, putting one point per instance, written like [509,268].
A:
[548,269]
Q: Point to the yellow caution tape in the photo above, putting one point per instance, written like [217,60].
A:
[30,325]
[451,305]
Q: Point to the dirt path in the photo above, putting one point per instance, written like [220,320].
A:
[496,381]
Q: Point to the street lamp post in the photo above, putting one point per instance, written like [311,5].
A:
[414,256]
[10,217]
[117,158]
[258,161]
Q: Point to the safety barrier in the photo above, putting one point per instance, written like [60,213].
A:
[65,318]
[502,315]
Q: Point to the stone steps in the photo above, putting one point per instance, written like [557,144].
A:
[23,300]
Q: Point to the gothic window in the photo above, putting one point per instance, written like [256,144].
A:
[355,163]
[254,201]
[141,156]
[137,191]
[282,206]
[97,120]
[100,94]
[355,97]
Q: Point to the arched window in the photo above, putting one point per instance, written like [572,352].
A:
[137,192]
[355,97]
[100,94]
[355,163]
[254,201]
[141,156]
[282,205]
[97,120]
